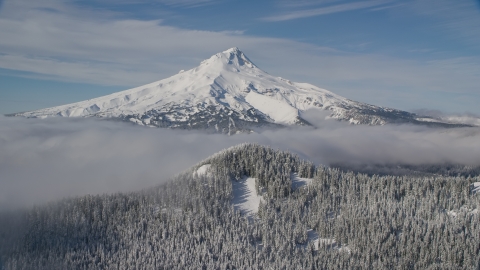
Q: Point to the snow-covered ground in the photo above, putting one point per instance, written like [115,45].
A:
[277,110]
[454,213]
[298,182]
[313,237]
[245,197]
[329,243]
[476,188]
[202,170]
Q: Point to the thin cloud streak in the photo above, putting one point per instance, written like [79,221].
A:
[325,10]
[461,19]
[387,7]
[172,3]
[303,3]
[187,3]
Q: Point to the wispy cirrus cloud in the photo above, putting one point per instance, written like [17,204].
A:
[387,7]
[181,3]
[172,3]
[187,3]
[303,3]
[460,18]
[75,45]
[305,13]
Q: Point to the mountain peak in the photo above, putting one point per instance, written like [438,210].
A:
[234,50]
[231,57]
[226,93]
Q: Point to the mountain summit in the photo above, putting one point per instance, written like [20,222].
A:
[226,93]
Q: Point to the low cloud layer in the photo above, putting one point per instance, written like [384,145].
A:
[47,160]
[44,160]
[467,118]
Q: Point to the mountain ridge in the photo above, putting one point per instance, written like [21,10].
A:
[227,93]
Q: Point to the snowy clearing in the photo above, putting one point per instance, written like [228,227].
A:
[476,187]
[245,197]
[462,210]
[298,182]
[329,243]
[313,237]
[202,170]
[452,213]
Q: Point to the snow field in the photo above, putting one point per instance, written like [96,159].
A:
[279,111]
[298,182]
[245,197]
[476,187]
[202,170]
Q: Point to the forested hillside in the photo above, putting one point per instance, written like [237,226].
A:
[446,169]
[331,220]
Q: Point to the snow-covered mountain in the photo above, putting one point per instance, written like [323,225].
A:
[226,93]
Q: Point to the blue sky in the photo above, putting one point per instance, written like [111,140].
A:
[409,54]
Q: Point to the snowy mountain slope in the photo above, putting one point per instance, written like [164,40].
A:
[225,93]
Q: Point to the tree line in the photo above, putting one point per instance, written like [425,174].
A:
[362,222]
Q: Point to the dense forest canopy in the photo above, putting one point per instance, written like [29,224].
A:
[445,169]
[337,220]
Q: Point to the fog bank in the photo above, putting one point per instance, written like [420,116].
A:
[44,160]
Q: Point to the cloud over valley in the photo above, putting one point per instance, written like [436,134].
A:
[45,160]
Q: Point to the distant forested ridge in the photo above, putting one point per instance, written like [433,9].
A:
[336,220]
[422,170]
